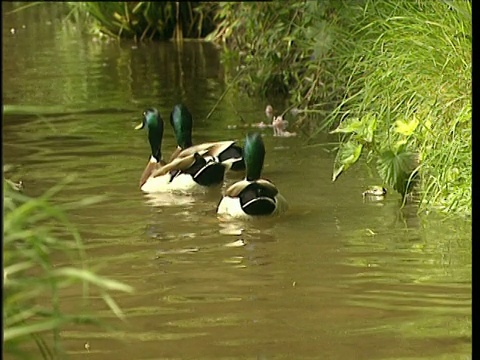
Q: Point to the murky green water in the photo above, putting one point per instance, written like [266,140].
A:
[335,278]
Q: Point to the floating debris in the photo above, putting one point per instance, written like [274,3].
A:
[278,123]
[231,230]
[176,251]
[238,243]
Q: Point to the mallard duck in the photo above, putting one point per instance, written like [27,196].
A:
[190,172]
[253,195]
[225,152]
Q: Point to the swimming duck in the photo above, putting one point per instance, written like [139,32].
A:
[253,195]
[225,152]
[188,173]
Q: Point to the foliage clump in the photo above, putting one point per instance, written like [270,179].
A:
[392,78]
[141,20]
[37,240]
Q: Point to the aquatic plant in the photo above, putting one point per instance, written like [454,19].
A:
[147,19]
[43,256]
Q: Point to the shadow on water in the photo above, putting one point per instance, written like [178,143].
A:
[334,278]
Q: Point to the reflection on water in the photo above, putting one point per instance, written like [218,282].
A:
[168,199]
[333,278]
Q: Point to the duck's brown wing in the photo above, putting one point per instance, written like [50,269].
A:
[235,189]
[268,184]
[208,148]
[179,163]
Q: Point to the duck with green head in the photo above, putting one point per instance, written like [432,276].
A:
[225,152]
[252,196]
[186,173]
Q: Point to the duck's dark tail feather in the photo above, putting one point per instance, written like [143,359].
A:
[233,152]
[257,199]
[206,173]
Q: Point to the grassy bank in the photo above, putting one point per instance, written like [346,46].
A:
[393,78]
[37,239]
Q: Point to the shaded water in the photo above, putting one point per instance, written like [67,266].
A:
[334,278]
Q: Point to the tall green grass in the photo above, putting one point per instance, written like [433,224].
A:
[37,238]
[409,67]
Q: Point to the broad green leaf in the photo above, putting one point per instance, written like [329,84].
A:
[353,125]
[347,155]
[396,167]
[363,128]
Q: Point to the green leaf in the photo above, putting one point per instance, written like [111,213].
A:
[406,127]
[347,155]
[370,128]
[396,168]
[353,125]
[363,128]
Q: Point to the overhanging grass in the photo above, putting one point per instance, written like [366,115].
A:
[34,233]
[147,19]
[410,62]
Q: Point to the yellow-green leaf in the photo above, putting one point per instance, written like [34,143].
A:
[347,155]
[353,125]
[406,127]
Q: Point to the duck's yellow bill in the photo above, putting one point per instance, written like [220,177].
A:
[139,126]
